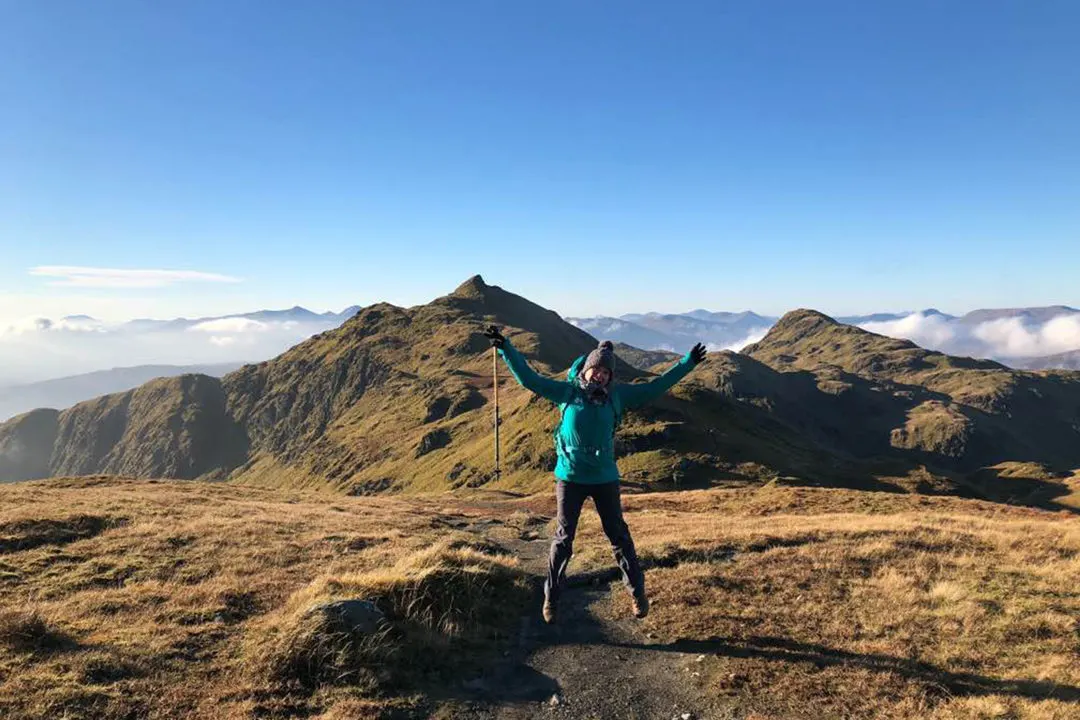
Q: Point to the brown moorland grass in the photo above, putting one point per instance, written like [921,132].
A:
[811,603]
[194,600]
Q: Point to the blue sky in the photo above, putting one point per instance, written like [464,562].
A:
[598,157]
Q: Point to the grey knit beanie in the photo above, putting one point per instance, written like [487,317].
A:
[603,356]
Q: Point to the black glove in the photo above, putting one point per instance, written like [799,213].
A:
[697,355]
[492,333]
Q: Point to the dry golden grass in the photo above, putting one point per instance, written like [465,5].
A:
[834,603]
[136,599]
[189,599]
[443,601]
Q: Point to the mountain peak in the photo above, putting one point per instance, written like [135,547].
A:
[474,287]
[793,328]
[803,320]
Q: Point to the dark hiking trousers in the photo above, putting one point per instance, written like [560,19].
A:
[571,497]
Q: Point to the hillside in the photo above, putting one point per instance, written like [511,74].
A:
[644,359]
[962,412]
[67,391]
[26,445]
[398,399]
[126,599]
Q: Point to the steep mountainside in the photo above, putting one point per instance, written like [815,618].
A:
[395,398]
[170,427]
[400,399]
[644,359]
[26,445]
[65,392]
[967,413]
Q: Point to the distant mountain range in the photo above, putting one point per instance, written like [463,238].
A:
[891,317]
[295,314]
[1003,334]
[1061,361]
[678,332]
[1031,315]
[1023,338]
[65,392]
[41,349]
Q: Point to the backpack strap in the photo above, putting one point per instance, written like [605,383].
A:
[616,405]
[571,376]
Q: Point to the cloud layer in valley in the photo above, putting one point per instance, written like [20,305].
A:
[1022,336]
[752,337]
[1000,338]
[38,348]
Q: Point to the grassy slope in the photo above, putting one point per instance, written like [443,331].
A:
[132,599]
[399,399]
[408,361]
[977,410]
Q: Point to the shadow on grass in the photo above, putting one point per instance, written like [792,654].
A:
[509,680]
[785,650]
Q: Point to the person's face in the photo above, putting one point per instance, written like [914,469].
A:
[599,375]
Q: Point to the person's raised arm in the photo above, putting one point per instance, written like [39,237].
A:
[554,390]
[643,393]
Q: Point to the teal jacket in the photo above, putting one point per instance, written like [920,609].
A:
[585,440]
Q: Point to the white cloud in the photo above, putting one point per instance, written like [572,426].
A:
[1012,338]
[26,325]
[753,336]
[1001,338]
[79,324]
[41,324]
[237,325]
[1062,333]
[931,331]
[90,277]
[1009,335]
[37,348]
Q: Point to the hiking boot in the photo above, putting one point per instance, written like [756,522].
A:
[641,606]
[549,612]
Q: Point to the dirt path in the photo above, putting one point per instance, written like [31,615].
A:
[598,662]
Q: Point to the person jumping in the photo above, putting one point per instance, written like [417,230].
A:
[591,405]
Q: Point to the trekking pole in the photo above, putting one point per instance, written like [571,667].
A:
[495,381]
